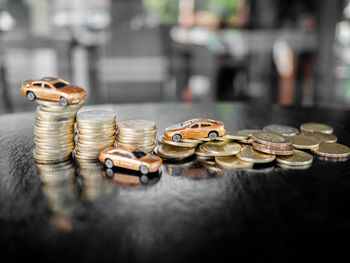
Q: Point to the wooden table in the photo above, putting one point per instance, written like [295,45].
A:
[186,212]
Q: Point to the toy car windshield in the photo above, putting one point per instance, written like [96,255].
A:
[139,154]
[59,85]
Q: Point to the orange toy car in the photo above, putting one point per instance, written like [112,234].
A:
[135,159]
[53,89]
[195,128]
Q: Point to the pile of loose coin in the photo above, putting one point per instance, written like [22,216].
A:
[54,131]
[137,132]
[96,130]
[282,144]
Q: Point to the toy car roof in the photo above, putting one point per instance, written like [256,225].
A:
[53,79]
[204,120]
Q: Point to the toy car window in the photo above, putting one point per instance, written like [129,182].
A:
[37,84]
[47,86]
[194,126]
[59,85]
[205,125]
[185,124]
[139,154]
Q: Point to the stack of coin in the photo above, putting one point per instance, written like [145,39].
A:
[272,143]
[96,130]
[54,131]
[137,132]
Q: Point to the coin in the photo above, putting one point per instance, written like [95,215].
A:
[333,150]
[316,127]
[162,140]
[203,154]
[96,116]
[281,129]
[294,167]
[136,125]
[288,150]
[173,152]
[219,148]
[248,141]
[236,136]
[248,132]
[270,138]
[322,137]
[304,142]
[248,154]
[232,162]
[299,158]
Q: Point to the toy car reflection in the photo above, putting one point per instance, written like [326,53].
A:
[134,159]
[195,128]
[53,89]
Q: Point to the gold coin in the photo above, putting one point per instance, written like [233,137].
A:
[236,136]
[299,158]
[304,142]
[232,162]
[204,154]
[95,116]
[173,152]
[333,150]
[247,132]
[294,167]
[270,138]
[136,125]
[162,140]
[248,154]
[287,150]
[248,141]
[148,149]
[322,137]
[316,127]
[281,129]
[218,148]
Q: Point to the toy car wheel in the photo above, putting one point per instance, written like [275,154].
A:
[176,138]
[63,101]
[109,173]
[143,169]
[212,135]
[144,179]
[31,96]
[109,163]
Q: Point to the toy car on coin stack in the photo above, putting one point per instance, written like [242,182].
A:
[134,159]
[53,89]
[195,128]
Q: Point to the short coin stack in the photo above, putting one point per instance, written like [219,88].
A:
[96,130]
[137,132]
[54,131]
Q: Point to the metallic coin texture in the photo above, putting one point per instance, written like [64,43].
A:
[332,150]
[288,150]
[96,116]
[270,138]
[304,142]
[316,127]
[281,129]
[220,148]
[173,152]
[248,154]
[322,137]
[299,158]
[232,162]
[189,144]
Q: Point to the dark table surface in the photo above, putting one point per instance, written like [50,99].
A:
[187,211]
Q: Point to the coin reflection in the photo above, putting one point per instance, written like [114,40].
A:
[129,178]
[60,190]
[197,169]
[93,186]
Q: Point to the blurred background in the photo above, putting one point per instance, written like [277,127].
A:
[291,52]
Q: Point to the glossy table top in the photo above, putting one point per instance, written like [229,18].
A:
[187,211]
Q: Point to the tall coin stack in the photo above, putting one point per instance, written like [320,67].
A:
[137,132]
[54,131]
[96,131]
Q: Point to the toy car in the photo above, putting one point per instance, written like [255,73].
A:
[53,89]
[195,128]
[134,159]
